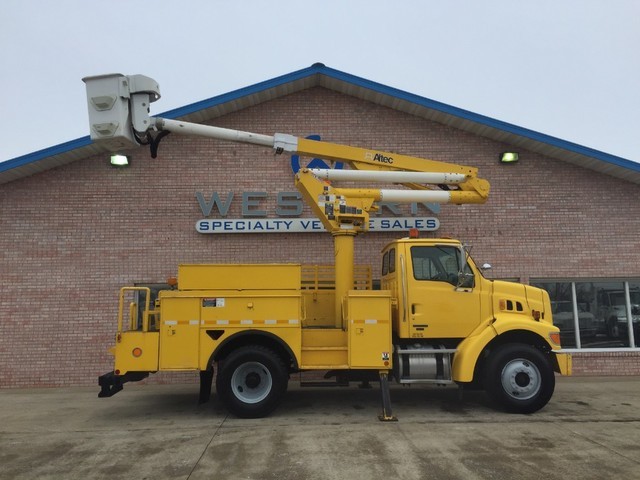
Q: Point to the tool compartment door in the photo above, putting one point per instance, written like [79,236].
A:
[179,333]
[369,323]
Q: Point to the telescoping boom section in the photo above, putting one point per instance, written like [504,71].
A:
[436,319]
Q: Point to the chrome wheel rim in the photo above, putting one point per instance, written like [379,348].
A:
[251,382]
[521,379]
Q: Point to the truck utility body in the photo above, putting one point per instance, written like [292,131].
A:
[436,319]
[411,329]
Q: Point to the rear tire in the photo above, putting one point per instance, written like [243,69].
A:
[519,378]
[251,381]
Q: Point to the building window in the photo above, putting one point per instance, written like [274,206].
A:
[595,314]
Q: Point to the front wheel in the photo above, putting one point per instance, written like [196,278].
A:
[251,381]
[519,378]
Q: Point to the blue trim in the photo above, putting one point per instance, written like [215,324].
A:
[481,119]
[320,69]
[46,153]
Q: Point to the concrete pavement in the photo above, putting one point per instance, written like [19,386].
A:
[589,430]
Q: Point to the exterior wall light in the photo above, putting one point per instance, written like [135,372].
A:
[509,157]
[120,161]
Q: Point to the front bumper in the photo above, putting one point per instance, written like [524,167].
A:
[563,361]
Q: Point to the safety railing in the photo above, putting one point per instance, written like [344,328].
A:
[323,277]
[133,320]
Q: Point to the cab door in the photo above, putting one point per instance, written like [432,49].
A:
[437,306]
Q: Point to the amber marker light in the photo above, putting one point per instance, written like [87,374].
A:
[555,337]
[136,352]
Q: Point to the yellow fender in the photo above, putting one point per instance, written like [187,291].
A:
[469,350]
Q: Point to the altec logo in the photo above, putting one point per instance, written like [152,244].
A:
[378,157]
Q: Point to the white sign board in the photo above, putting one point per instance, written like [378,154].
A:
[302,225]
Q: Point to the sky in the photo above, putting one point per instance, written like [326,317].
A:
[566,68]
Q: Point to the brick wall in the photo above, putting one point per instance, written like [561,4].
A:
[606,363]
[73,235]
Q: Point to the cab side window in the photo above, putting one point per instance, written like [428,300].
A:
[438,263]
[389,261]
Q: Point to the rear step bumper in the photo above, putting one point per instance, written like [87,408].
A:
[110,383]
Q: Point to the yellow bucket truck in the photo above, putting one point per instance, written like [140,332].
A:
[436,318]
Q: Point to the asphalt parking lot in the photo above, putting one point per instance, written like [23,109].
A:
[589,430]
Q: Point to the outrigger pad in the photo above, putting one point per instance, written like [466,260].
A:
[110,383]
[386,415]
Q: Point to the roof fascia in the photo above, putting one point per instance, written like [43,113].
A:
[480,119]
[320,70]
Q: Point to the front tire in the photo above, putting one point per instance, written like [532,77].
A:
[251,381]
[519,378]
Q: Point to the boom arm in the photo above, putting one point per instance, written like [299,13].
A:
[348,209]
[363,159]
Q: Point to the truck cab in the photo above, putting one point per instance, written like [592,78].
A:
[451,324]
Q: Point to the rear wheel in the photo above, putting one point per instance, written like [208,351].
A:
[519,378]
[251,381]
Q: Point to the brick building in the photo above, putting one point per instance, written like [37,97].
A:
[75,229]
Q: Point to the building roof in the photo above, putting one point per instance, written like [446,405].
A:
[321,75]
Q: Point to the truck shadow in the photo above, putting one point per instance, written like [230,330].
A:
[167,406]
[353,401]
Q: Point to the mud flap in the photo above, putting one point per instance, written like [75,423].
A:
[206,379]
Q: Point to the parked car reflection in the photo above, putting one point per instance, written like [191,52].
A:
[612,312]
[563,319]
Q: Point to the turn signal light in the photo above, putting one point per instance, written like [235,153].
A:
[136,352]
[555,337]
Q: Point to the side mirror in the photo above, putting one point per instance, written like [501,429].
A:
[466,280]
[485,267]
